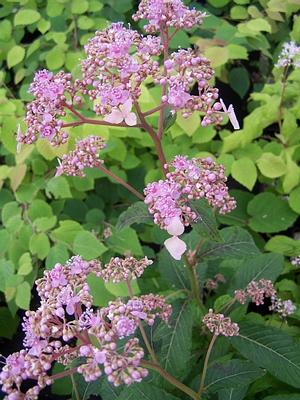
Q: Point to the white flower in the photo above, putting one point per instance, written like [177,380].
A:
[231,115]
[122,113]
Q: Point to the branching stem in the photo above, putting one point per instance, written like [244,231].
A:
[209,350]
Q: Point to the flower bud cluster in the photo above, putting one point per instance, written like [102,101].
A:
[119,269]
[182,71]
[218,324]
[213,284]
[295,261]
[289,56]
[258,291]
[43,114]
[111,72]
[190,180]
[163,14]
[85,155]
[66,317]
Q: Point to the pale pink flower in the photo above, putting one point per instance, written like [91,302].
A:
[231,115]
[175,227]
[176,247]
[122,113]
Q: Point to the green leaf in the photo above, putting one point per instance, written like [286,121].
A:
[262,266]
[39,245]
[289,396]
[218,55]
[175,340]
[57,254]
[169,118]
[45,223]
[239,80]
[237,243]
[272,349]
[88,246]
[244,172]
[26,17]
[8,323]
[6,270]
[190,124]
[4,241]
[59,188]
[174,272]
[25,265]
[125,241]
[258,25]
[55,58]
[137,213]
[270,214]
[101,296]
[79,6]
[206,224]
[233,373]
[283,245]
[23,295]
[67,231]
[233,393]
[145,391]
[239,215]
[15,55]
[294,200]
[271,166]
[39,209]
[238,12]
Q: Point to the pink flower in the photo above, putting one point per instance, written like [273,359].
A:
[231,115]
[175,227]
[176,247]
[122,113]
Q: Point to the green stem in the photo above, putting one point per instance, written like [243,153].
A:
[181,386]
[280,108]
[194,284]
[210,347]
[75,388]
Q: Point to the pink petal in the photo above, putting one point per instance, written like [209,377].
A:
[175,227]
[115,117]
[232,117]
[126,107]
[131,119]
[176,247]
[223,105]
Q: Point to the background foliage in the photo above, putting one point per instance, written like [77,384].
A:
[45,219]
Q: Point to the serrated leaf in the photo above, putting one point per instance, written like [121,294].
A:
[232,393]
[272,349]
[244,172]
[136,214]
[262,266]
[237,243]
[234,373]
[175,340]
[88,246]
[145,391]
[283,245]
[206,224]
[174,272]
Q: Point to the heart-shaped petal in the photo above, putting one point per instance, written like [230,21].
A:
[115,117]
[175,227]
[175,246]
[131,119]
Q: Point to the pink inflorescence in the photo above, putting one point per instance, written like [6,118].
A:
[213,284]
[43,114]
[65,314]
[218,324]
[112,72]
[295,261]
[258,291]
[123,269]
[85,155]
[163,14]
[289,56]
[190,180]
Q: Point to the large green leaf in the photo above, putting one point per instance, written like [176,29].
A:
[233,393]
[291,396]
[283,245]
[136,214]
[175,340]
[267,266]
[174,272]
[269,213]
[88,246]
[272,349]
[233,373]
[145,391]
[237,243]
[206,224]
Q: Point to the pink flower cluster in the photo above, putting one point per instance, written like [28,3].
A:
[112,73]
[163,14]
[218,324]
[123,269]
[258,291]
[85,155]
[65,314]
[289,56]
[43,114]
[295,261]
[213,284]
[190,180]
